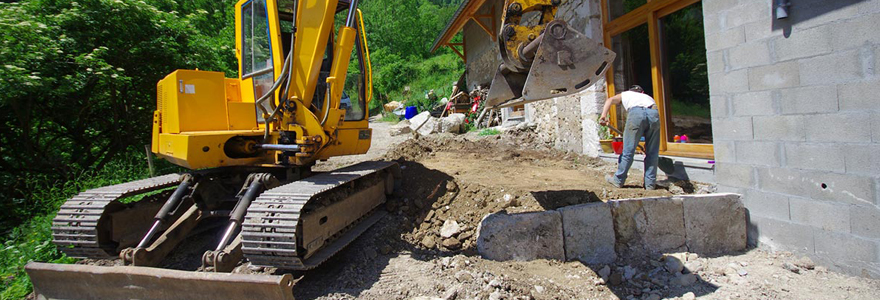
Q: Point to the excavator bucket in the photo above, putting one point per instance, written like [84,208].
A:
[565,62]
[61,281]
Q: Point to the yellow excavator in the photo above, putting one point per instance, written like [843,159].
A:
[301,96]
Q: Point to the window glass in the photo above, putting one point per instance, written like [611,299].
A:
[619,8]
[353,97]
[685,78]
[257,51]
[632,66]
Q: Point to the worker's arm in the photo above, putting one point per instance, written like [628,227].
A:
[603,120]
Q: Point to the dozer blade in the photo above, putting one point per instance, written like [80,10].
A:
[566,62]
[60,281]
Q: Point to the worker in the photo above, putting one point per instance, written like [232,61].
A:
[642,119]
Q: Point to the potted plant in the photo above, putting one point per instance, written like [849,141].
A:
[605,138]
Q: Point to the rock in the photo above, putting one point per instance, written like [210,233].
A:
[676,190]
[522,237]
[605,272]
[629,272]
[464,276]
[370,252]
[673,264]
[432,125]
[451,294]
[539,289]
[742,272]
[654,224]
[806,263]
[495,283]
[399,128]
[429,242]
[689,296]
[652,297]
[615,279]
[684,280]
[417,121]
[496,295]
[452,123]
[714,223]
[386,249]
[589,233]
[693,267]
[450,228]
[692,256]
[452,243]
[791,267]
[465,235]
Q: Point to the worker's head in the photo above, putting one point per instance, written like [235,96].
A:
[636,88]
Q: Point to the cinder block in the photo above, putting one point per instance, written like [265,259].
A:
[748,55]
[844,188]
[865,221]
[589,233]
[725,151]
[856,32]
[737,128]
[808,100]
[776,76]
[744,14]
[521,237]
[779,128]
[875,127]
[821,214]
[860,96]
[822,12]
[848,253]
[803,43]
[649,224]
[838,67]
[714,223]
[758,153]
[759,31]
[862,159]
[719,106]
[711,23]
[823,156]
[781,235]
[735,175]
[765,204]
[729,82]
[852,127]
[715,61]
[717,6]
[725,39]
[753,104]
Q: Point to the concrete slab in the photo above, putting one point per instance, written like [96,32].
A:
[653,225]
[588,231]
[417,121]
[521,237]
[714,223]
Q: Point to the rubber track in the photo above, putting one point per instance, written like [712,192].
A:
[269,230]
[74,229]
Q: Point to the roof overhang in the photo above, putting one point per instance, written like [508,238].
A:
[465,12]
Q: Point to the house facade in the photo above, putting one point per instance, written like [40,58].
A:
[782,96]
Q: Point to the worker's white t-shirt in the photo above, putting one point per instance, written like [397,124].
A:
[632,99]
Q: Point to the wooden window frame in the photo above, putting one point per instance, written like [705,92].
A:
[650,13]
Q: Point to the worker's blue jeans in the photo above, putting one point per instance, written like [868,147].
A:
[640,121]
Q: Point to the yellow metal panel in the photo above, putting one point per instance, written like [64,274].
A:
[167,103]
[242,116]
[199,150]
[348,142]
[154,143]
[233,89]
[193,101]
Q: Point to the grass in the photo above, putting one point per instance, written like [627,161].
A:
[690,109]
[32,241]
[437,73]
[389,118]
[489,131]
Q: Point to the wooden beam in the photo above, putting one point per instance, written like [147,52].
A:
[455,25]
[485,27]
[463,58]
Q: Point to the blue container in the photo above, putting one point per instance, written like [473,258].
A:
[411,111]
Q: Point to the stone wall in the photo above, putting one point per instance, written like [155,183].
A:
[796,120]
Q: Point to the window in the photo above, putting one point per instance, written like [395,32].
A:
[660,45]
[256,54]
[354,95]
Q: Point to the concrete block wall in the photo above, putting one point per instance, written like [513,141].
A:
[796,121]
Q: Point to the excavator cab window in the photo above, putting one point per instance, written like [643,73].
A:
[256,54]
[354,81]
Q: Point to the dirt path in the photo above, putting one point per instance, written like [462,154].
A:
[462,178]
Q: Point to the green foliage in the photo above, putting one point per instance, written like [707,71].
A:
[489,131]
[79,81]
[389,118]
